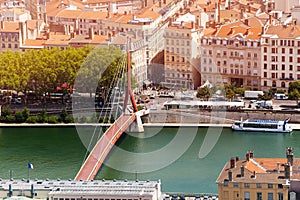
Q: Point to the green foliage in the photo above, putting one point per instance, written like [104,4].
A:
[203,93]
[6,111]
[112,119]
[229,93]
[9,119]
[63,114]
[32,119]
[139,107]
[53,119]
[239,91]
[19,117]
[293,91]
[69,119]
[25,113]
[280,91]
[40,71]
[83,119]
[267,95]
[42,117]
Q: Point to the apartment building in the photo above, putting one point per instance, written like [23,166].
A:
[280,56]
[37,8]
[231,54]
[14,15]
[286,5]
[10,36]
[259,178]
[181,46]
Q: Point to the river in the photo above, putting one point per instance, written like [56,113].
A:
[58,153]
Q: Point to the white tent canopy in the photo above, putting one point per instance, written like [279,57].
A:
[206,84]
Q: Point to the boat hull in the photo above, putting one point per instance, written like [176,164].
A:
[237,128]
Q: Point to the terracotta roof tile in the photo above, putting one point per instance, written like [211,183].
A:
[290,31]
[92,15]
[10,27]
[58,39]
[69,14]
[34,43]
[98,39]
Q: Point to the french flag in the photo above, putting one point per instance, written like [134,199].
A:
[30,166]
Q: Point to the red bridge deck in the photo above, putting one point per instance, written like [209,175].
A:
[97,156]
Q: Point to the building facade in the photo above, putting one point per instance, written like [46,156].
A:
[231,54]
[280,56]
[257,178]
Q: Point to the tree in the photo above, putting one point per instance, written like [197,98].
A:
[293,91]
[229,93]
[101,69]
[203,93]
[267,95]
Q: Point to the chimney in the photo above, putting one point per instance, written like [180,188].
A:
[2,25]
[287,171]
[230,175]
[290,155]
[242,13]
[73,34]
[278,167]
[251,154]
[237,158]
[247,156]
[242,171]
[219,11]
[270,19]
[232,163]
[247,22]
[254,174]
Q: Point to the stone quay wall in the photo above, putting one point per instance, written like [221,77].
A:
[217,116]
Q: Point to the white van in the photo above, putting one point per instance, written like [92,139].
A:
[280,96]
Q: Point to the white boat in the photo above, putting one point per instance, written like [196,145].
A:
[262,125]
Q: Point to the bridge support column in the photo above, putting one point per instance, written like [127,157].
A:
[137,125]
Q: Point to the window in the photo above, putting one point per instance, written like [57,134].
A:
[291,59]
[282,58]
[258,185]
[280,196]
[270,196]
[283,50]
[291,67]
[291,51]
[265,83]
[247,195]
[282,67]
[258,196]
[246,185]
[235,184]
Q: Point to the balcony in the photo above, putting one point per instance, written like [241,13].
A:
[287,79]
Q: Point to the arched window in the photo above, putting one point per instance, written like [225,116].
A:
[273,83]
[283,84]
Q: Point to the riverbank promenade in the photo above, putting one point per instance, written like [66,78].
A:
[294,126]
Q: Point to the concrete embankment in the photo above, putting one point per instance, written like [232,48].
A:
[200,118]
[217,117]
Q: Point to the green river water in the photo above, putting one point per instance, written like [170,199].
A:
[58,153]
